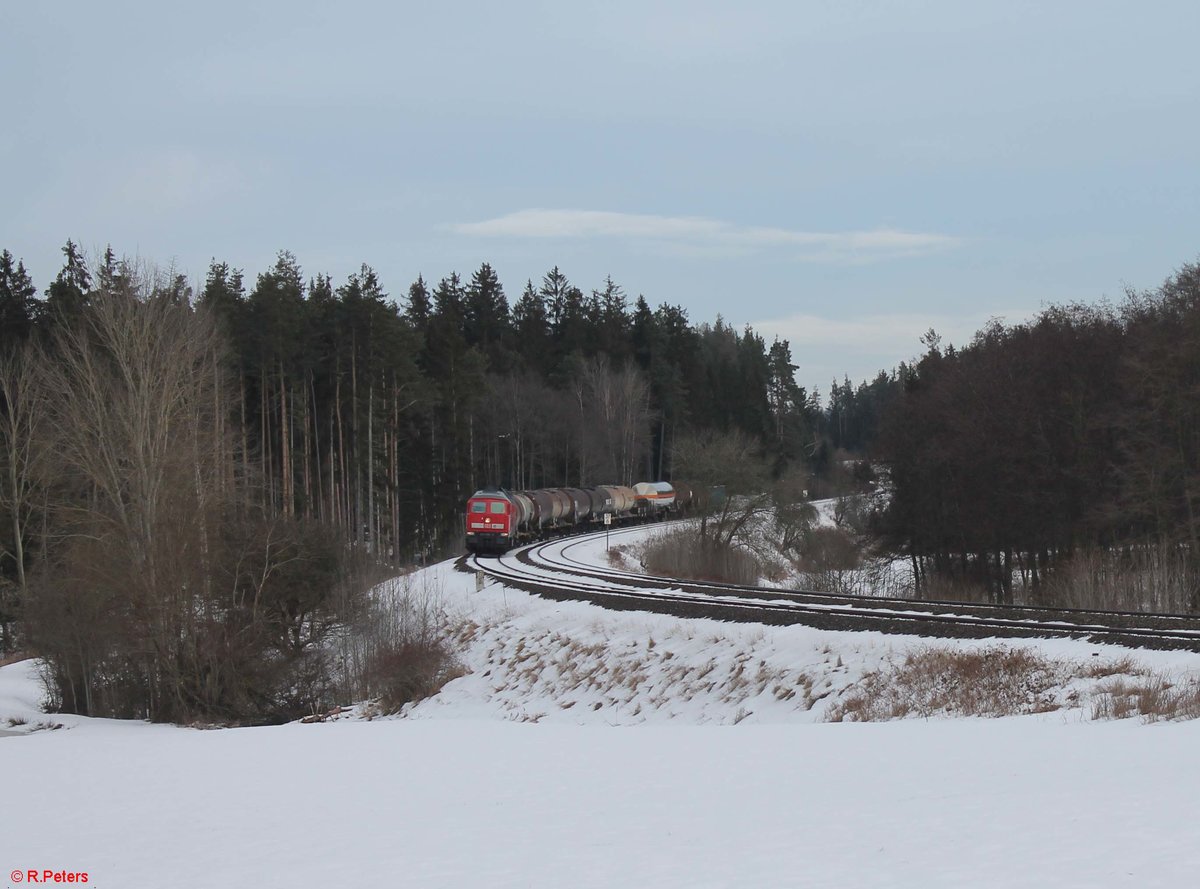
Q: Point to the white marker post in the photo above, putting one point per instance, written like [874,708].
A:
[607,523]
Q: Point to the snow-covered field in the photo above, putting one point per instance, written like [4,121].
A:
[590,748]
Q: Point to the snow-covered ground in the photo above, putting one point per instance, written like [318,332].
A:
[592,748]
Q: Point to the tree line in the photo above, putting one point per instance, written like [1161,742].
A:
[381,416]
[188,471]
[195,478]
[1073,438]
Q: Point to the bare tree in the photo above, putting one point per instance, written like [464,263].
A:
[616,434]
[138,440]
[730,477]
[171,592]
[21,452]
[21,399]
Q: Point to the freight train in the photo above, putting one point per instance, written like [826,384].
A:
[498,520]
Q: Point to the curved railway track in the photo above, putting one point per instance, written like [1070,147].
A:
[553,570]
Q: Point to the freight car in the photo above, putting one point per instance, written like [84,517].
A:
[497,520]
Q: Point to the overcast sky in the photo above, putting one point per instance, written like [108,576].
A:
[845,174]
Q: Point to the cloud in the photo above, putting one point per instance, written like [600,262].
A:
[700,232]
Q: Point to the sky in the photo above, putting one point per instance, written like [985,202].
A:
[845,175]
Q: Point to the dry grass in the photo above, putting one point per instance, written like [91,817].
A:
[683,553]
[635,678]
[873,577]
[952,588]
[946,682]
[44,725]
[409,672]
[1153,698]
[1002,681]
[1153,579]
[618,557]
[1124,666]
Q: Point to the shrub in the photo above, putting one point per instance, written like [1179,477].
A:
[684,553]
[397,650]
[1153,698]
[991,682]
[238,637]
[828,549]
[409,672]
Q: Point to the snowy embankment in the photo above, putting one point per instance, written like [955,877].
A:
[725,781]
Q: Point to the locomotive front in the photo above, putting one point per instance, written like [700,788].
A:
[490,522]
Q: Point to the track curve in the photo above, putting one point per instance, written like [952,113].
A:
[552,570]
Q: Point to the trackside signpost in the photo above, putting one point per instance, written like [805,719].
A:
[607,524]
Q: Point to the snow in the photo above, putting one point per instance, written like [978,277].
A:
[576,752]
[488,803]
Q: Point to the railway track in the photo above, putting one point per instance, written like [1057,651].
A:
[554,570]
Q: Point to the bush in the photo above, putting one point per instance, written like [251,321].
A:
[236,637]
[397,650]
[1153,698]
[409,672]
[844,476]
[933,681]
[828,549]
[684,553]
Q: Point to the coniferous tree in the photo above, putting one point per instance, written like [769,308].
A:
[612,323]
[19,308]
[419,306]
[790,409]
[69,293]
[225,291]
[486,317]
[531,330]
[566,314]
[275,320]
[643,334]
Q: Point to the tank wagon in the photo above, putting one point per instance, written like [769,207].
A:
[497,519]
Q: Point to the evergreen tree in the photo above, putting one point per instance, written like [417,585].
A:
[566,313]
[554,292]
[19,308]
[486,317]
[419,306]
[225,292]
[754,414]
[275,315]
[276,312]
[70,292]
[531,330]
[612,323]
[113,275]
[643,334]
[789,406]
